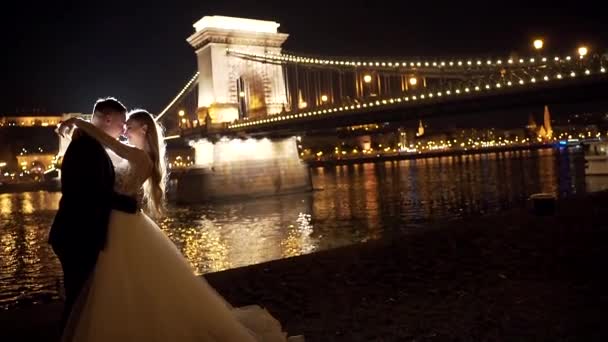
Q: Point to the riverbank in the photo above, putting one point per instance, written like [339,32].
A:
[507,277]
[391,156]
[29,187]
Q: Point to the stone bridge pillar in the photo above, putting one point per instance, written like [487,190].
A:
[230,87]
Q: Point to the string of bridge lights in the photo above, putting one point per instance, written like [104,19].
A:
[178,96]
[415,98]
[437,64]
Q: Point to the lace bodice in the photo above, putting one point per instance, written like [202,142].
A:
[129,177]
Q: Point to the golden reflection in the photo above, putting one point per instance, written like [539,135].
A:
[546,171]
[201,246]
[356,203]
[298,240]
[425,176]
[251,244]
[7,251]
[205,250]
[6,204]
[370,186]
[29,258]
[9,275]
[218,243]
[26,204]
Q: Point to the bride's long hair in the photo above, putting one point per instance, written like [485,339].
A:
[154,187]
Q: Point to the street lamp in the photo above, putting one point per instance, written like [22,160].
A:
[324,98]
[582,51]
[181,113]
[367,78]
[538,44]
[413,81]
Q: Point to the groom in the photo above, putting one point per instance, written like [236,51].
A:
[79,230]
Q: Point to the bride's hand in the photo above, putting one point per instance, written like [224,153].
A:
[65,128]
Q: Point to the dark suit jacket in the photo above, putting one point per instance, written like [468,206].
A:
[87,182]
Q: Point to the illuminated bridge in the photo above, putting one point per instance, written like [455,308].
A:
[258,89]
[247,87]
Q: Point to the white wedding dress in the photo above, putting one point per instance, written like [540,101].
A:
[143,289]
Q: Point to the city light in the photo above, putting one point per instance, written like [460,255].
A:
[367,79]
[324,98]
[413,81]
[538,44]
[582,51]
[181,113]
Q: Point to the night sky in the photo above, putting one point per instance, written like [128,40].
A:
[62,56]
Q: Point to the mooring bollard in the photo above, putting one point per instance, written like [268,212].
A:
[543,204]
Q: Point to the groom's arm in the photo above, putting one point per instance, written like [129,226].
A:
[122,150]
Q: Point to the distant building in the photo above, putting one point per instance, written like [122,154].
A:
[31,134]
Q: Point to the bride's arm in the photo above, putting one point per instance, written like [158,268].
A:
[122,150]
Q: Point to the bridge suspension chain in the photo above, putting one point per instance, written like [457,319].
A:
[416,64]
[185,91]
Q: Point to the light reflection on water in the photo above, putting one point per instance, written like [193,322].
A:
[353,203]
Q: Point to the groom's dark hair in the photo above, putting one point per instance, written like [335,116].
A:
[109,105]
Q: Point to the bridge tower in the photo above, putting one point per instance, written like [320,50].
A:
[230,87]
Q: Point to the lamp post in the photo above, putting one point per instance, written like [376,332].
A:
[582,51]
[367,79]
[538,46]
[182,120]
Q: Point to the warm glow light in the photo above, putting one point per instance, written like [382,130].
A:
[242,94]
[367,78]
[538,44]
[181,113]
[324,98]
[237,24]
[582,51]
[413,81]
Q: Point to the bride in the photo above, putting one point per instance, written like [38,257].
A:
[142,288]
